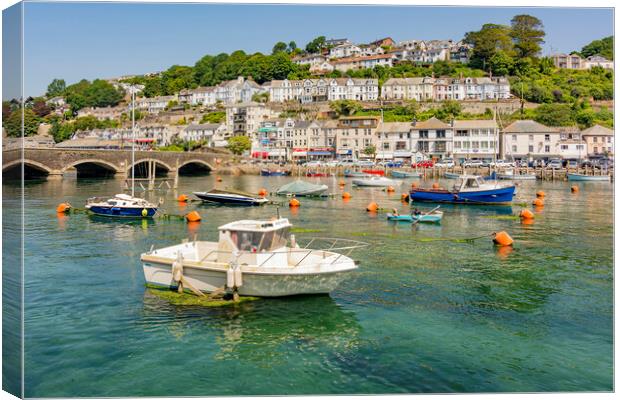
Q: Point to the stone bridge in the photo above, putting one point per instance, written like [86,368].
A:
[53,162]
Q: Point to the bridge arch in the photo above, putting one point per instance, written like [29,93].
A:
[195,166]
[93,167]
[141,167]
[32,169]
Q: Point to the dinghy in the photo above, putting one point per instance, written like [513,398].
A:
[434,217]
[593,178]
[230,197]
[301,188]
[375,181]
[404,175]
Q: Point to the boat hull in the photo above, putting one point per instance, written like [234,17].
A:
[403,175]
[450,175]
[123,212]
[411,218]
[373,182]
[254,284]
[264,172]
[230,200]
[525,177]
[494,196]
[592,178]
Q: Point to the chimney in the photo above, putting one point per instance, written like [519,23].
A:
[415,121]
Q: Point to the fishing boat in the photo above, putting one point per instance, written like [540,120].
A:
[378,172]
[231,197]
[124,205]
[433,217]
[468,189]
[315,174]
[121,205]
[375,181]
[277,172]
[252,258]
[583,177]
[451,175]
[355,174]
[301,188]
[404,175]
[510,175]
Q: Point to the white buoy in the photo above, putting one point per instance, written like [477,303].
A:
[238,277]
[230,277]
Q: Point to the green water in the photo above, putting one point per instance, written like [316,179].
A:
[420,315]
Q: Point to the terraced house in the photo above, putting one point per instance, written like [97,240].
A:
[440,89]
[355,134]
[313,90]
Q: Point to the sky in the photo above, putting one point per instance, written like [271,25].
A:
[89,40]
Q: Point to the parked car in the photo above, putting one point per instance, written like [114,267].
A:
[603,163]
[501,164]
[570,163]
[365,163]
[331,163]
[554,164]
[391,164]
[472,163]
[536,163]
[424,164]
[445,163]
[347,162]
[313,164]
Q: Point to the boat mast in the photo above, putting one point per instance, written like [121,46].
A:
[133,137]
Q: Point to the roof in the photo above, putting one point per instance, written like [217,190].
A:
[394,127]
[406,81]
[362,58]
[475,123]
[432,123]
[196,127]
[597,130]
[528,126]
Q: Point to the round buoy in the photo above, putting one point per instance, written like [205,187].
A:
[219,179]
[414,185]
[193,216]
[372,207]
[574,189]
[63,208]
[390,189]
[262,192]
[540,194]
[539,202]
[526,214]
[404,197]
[435,185]
[346,195]
[341,183]
[294,203]
[502,239]
[145,212]
[182,198]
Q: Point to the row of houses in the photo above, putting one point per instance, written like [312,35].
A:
[439,89]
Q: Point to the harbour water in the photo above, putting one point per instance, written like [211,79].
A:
[422,314]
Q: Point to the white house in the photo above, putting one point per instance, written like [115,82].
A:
[353,63]
[355,134]
[345,50]
[599,141]
[433,137]
[309,59]
[353,89]
[394,141]
[321,68]
[199,96]
[598,61]
[153,105]
[202,133]
[529,140]
[475,139]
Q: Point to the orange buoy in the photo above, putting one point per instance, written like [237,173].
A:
[346,195]
[262,192]
[341,183]
[404,197]
[219,179]
[414,185]
[527,221]
[182,198]
[193,216]
[63,208]
[538,202]
[294,203]
[390,189]
[526,214]
[435,185]
[372,207]
[574,189]
[502,239]
[540,194]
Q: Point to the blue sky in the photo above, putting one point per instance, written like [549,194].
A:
[75,41]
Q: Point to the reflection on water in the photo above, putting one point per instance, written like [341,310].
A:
[424,313]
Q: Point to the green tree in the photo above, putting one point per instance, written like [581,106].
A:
[279,47]
[56,88]
[213,117]
[345,107]
[555,115]
[239,144]
[13,124]
[488,41]
[176,78]
[316,44]
[603,47]
[371,150]
[449,109]
[260,97]
[527,34]
[501,63]
[292,46]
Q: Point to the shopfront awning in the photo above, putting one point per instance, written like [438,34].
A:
[319,153]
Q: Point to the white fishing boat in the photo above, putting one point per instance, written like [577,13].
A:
[253,258]
[509,174]
[583,177]
[375,181]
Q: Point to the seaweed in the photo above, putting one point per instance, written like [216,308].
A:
[190,299]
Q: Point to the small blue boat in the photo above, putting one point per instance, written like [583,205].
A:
[468,189]
[122,205]
[355,174]
[450,175]
[433,218]
[404,175]
[278,172]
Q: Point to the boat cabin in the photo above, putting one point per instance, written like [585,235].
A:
[469,182]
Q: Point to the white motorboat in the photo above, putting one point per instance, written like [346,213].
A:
[252,258]
[231,197]
[509,174]
[121,205]
[302,188]
[375,181]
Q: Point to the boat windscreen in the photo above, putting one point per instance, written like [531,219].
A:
[260,241]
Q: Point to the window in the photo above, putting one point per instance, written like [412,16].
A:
[564,147]
[423,134]
[514,149]
[386,145]
[514,138]
[457,145]
[401,145]
[547,149]
[595,139]
[475,145]
[531,138]
[608,139]
[530,148]
[441,134]
[595,149]
[547,138]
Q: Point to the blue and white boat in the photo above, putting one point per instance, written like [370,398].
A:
[121,205]
[404,174]
[277,172]
[468,189]
[230,197]
[124,205]
[451,175]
